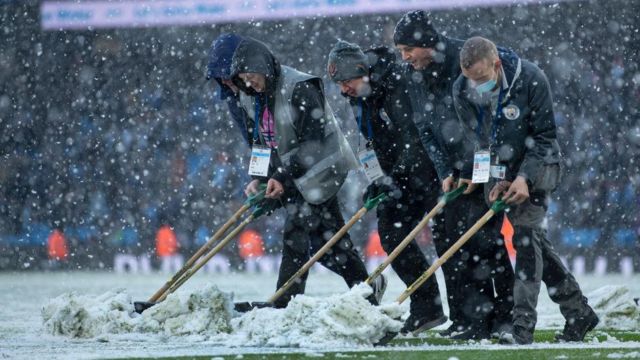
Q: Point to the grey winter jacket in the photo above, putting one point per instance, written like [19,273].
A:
[525,129]
[311,149]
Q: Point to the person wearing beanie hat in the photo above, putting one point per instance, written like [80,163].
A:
[347,61]
[416,29]
[430,69]
[370,81]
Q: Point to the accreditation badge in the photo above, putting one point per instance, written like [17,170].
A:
[498,171]
[481,167]
[370,164]
[259,164]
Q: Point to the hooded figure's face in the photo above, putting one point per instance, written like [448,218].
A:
[254,69]
[255,81]
[420,58]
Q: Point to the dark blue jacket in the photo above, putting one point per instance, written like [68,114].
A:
[388,109]
[219,68]
[525,139]
[433,110]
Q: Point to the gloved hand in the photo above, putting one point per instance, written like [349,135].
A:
[370,192]
[380,186]
[270,205]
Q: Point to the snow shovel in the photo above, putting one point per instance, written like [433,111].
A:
[497,207]
[369,204]
[161,294]
[446,198]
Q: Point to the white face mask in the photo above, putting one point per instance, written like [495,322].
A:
[364,90]
[480,99]
[486,86]
[483,91]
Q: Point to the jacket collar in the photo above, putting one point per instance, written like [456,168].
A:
[511,68]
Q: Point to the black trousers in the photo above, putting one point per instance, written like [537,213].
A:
[307,228]
[479,277]
[397,217]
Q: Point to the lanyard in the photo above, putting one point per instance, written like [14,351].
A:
[256,120]
[494,124]
[366,112]
[258,115]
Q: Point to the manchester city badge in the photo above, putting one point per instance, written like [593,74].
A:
[511,112]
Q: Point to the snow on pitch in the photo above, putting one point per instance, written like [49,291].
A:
[340,320]
[206,311]
[615,307]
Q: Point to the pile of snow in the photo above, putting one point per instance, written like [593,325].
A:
[340,320]
[615,307]
[345,320]
[205,312]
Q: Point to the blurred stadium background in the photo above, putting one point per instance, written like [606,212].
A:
[111,139]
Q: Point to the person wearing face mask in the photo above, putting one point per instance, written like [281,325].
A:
[505,105]
[479,277]
[300,152]
[371,81]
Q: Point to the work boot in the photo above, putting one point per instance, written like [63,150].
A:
[501,328]
[453,329]
[519,336]
[474,332]
[379,286]
[416,324]
[576,329]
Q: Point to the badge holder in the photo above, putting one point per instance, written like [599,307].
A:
[259,164]
[370,164]
[481,167]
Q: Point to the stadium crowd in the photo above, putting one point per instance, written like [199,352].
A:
[110,136]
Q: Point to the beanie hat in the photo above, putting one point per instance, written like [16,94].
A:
[347,61]
[415,29]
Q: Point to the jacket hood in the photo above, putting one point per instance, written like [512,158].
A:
[220,56]
[512,66]
[252,56]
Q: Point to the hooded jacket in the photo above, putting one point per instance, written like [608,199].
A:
[311,149]
[525,130]
[434,114]
[394,136]
[219,68]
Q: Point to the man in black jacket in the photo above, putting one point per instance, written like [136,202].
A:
[482,265]
[505,104]
[308,159]
[371,81]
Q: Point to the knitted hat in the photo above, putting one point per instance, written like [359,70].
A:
[347,61]
[415,29]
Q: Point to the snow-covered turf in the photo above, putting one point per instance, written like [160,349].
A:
[24,296]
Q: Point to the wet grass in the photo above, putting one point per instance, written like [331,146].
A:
[432,346]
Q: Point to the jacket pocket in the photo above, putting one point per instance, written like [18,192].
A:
[548,179]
